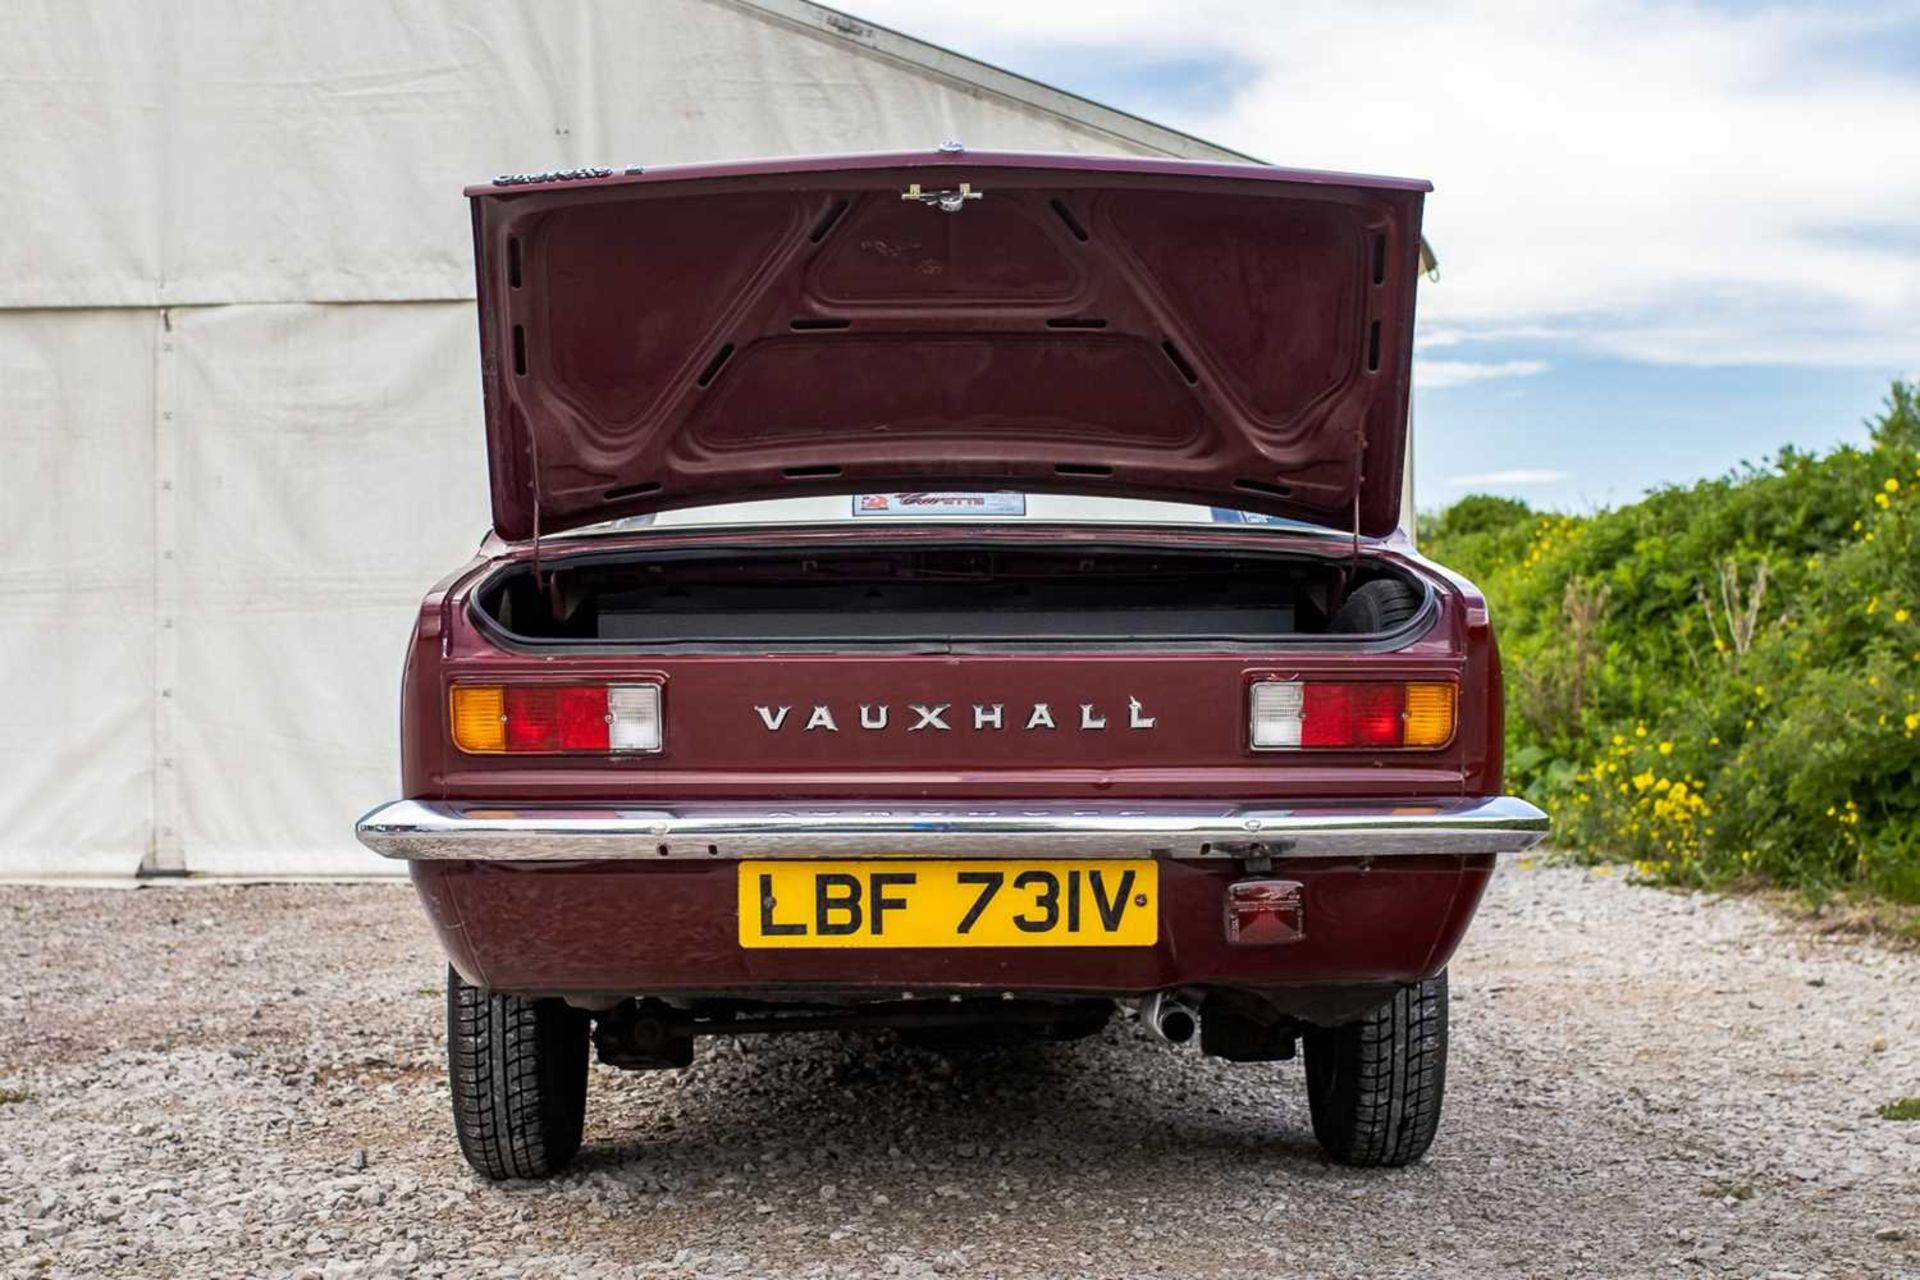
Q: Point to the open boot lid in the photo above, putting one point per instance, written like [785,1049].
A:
[1232,335]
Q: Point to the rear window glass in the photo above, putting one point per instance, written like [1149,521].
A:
[998,507]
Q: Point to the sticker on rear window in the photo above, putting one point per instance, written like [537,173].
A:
[939,504]
[1227,515]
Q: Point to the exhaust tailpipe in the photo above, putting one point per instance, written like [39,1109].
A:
[1170,1017]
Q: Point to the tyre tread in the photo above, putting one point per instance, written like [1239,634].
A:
[518,1075]
[1375,607]
[1376,1086]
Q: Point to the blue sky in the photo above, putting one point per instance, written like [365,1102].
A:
[1673,237]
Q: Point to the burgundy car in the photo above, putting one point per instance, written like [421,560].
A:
[954,593]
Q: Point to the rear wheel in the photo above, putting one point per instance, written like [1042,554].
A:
[519,1074]
[1375,1086]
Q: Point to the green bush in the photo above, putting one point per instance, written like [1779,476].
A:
[1721,681]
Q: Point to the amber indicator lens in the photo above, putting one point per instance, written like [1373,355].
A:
[554,719]
[1429,715]
[479,718]
[1308,715]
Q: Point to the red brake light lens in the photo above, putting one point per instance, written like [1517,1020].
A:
[1351,715]
[556,718]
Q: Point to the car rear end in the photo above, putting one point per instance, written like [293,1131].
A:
[1291,824]
[1214,745]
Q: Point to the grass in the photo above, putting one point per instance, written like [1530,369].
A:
[10,1096]
[1721,1190]
[1846,913]
[1901,1109]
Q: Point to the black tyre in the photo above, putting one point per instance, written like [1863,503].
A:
[1380,605]
[1375,1086]
[519,1074]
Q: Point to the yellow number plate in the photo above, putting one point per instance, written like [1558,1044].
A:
[1104,902]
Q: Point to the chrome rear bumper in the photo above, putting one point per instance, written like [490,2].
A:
[418,829]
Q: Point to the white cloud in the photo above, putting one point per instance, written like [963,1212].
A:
[1673,182]
[1436,375]
[1505,479]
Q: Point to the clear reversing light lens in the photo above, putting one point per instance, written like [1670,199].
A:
[1276,714]
[633,715]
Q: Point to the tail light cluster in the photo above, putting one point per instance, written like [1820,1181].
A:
[1309,715]
[556,719]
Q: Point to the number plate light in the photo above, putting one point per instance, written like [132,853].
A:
[1265,913]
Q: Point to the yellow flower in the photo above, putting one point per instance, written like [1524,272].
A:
[1913,723]
[1881,501]
[1893,484]
[1666,748]
[1639,731]
[1901,615]
[1873,606]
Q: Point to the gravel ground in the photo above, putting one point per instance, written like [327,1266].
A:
[248,1081]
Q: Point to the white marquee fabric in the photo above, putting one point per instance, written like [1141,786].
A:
[239,397]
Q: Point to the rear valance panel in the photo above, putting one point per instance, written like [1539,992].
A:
[1229,335]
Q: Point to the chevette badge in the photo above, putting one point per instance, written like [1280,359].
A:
[944,717]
